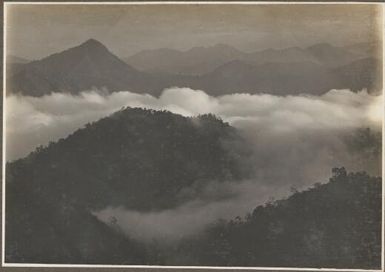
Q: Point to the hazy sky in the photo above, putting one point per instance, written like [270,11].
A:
[35,31]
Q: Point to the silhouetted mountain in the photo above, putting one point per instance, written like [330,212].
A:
[14,64]
[273,78]
[196,61]
[286,55]
[282,78]
[322,54]
[202,60]
[89,65]
[314,70]
[334,225]
[16,59]
[152,153]
[365,49]
[360,74]
[331,56]
[138,159]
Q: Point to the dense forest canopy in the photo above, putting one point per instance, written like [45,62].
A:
[337,224]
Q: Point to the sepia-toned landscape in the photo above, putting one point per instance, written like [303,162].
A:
[194,135]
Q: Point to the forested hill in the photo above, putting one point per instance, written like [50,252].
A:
[134,156]
[138,159]
[333,225]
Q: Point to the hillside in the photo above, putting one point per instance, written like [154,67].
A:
[132,156]
[135,158]
[333,225]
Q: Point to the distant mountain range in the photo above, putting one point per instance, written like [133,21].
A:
[16,59]
[14,63]
[201,60]
[217,70]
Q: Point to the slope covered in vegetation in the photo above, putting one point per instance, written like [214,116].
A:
[337,224]
[135,158]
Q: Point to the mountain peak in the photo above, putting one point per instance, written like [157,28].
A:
[92,43]
[78,68]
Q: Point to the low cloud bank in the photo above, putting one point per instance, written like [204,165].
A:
[170,225]
[34,121]
[296,140]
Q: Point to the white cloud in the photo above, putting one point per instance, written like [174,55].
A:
[33,121]
[295,141]
[168,226]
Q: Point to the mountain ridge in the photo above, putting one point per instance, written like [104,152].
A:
[181,61]
[91,65]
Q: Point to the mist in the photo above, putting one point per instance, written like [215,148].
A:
[169,226]
[34,121]
[295,141]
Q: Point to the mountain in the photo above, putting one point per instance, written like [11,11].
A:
[202,60]
[322,54]
[41,229]
[14,64]
[330,55]
[217,70]
[331,225]
[282,78]
[360,74]
[154,153]
[143,160]
[274,78]
[89,65]
[286,55]
[196,61]
[16,59]
[365,49]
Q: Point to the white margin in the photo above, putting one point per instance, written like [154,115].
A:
[4,136]
[166,2]
[4,264]
[383,141]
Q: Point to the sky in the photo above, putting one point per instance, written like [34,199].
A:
[35,31]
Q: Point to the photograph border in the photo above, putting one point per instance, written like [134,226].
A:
[71,266]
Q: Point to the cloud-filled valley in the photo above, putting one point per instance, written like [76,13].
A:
[33,121]
[294,140]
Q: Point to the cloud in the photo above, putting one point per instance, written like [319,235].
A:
[168,226]
[295,141]
[33,121]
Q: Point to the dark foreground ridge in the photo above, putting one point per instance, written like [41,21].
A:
[138,159]
[333,225]
[143,160]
